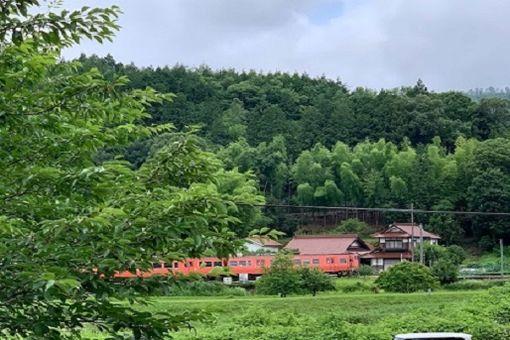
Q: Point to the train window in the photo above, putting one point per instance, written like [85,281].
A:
[176,264]
[330,260]
[233,263]
[208,264]
[249,263]
[167,265]
[315,261]
[306,262]
[261,263]
[242,263]
[218,264]
[190,264]
[297,261]
[343,260]
[156,265]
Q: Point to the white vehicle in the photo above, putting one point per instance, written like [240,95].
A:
[433,336]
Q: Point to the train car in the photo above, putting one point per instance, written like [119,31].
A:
[251,266]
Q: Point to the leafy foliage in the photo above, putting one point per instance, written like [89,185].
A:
[353,226]
[281,278]
[284,278]
[314,142]
[406,277]
[69,223]
[314,280]
[445,271]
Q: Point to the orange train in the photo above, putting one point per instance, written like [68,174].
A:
[253,266]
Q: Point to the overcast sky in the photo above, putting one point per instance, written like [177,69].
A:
[450,44]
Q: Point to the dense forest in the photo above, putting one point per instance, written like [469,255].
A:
[313,141]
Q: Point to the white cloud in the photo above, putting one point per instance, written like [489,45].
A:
[454,44]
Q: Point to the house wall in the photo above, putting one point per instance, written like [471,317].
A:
[252,247]
[255,247]
[380,264]
[406,243]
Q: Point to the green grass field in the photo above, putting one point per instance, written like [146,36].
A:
[270,317]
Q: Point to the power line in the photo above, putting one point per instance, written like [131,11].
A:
[400,210]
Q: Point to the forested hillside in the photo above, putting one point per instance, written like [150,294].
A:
[314,141]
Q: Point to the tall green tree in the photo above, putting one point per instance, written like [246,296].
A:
[69,224]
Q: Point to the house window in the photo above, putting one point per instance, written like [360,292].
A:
[297,261]
[315,261]
[306,262]
[343,260]
[330,260]
[394,244]
[377,262]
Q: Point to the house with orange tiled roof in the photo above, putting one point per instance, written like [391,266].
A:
[397,243]
[327,244]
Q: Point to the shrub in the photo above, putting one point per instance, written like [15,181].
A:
[281,278]
[406,277]
[365,270]
[445,271]
[431,253]
[456,254]
[312,280]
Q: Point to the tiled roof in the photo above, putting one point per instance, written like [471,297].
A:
[264,241]
[407,231]
[409,228]
[325,244]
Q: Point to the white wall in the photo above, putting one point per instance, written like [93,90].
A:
[255,247]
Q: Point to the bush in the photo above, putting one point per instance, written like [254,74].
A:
[456,254]
[445,271]
[365,270]
[281,278]
[406,277]
[431,253]
[312,280]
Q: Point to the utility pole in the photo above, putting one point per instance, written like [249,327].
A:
[412,232]
[501,251]
[421,244]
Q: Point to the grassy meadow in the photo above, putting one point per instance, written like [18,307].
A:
[354,307]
